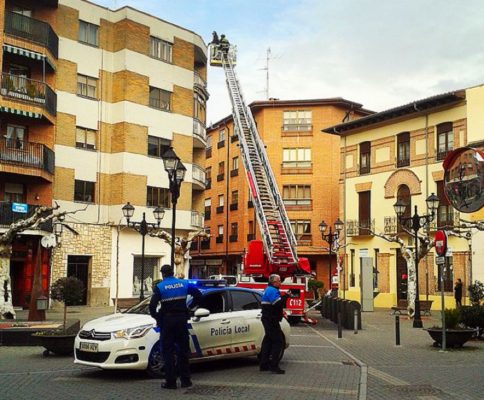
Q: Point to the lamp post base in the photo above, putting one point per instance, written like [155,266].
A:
[417,323]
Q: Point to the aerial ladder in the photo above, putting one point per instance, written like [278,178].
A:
[276,252]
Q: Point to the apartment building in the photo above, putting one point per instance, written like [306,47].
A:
[119,87]
[398,154]
[306,167]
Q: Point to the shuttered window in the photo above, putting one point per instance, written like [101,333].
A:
[365,156]
[364,212]
[403,149]
[445,139]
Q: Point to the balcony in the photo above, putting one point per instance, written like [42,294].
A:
[356,227]
[208,213]
[205,244]
[194,245]
[234,138]
[200,84]
[250,204]
[220,144]
[219,209]
[403,162]
[234,206]
[32,30]
[220,177]
[197,219]
[26,154]
[199,179]
[234,172]
[233,238]
[443,153]
[199,134]
[250,236]
[208,184]
[8,217]
[28,90]
[390,226]
[219,239]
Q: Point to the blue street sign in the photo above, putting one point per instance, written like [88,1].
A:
[20,208]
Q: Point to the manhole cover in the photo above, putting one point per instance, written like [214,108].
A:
[212,390]
[416,390]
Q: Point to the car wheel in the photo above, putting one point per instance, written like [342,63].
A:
[155,362]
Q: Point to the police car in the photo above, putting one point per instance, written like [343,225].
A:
[226,324]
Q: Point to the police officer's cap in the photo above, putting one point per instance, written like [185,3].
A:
[167,270]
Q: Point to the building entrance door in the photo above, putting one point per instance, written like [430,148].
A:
[402,277]
[78,267]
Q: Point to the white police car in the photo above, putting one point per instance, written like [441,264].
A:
[227,324]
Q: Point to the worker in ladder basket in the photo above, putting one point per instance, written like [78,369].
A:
[224,43]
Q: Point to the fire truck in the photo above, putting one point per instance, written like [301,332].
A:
[276,252]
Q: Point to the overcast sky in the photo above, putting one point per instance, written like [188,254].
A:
[380,53]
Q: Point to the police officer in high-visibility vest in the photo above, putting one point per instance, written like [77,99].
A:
[171,293]
[272,312]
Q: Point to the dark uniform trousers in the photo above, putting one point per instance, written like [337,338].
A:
[271,344]
[175,336]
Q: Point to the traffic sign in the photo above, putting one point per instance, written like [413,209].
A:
[440,242]
[440,260]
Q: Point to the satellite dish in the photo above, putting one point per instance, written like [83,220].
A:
[48,241]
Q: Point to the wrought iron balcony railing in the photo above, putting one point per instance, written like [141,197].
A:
[356,227]
[8,216]
[33,30]
[390,227]
[32,91]
[26,154]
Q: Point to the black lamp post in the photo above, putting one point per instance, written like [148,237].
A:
[414,223]
[143,228]
[331,238]
[176,173]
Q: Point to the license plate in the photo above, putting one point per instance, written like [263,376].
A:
[86,346]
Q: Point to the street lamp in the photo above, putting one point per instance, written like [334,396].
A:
[143,228]
[414,223]
[176,173]
[331,238]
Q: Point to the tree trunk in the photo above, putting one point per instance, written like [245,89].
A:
[409,257]
[34,314]
[6,305]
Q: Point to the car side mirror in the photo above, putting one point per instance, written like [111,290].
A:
[200,313]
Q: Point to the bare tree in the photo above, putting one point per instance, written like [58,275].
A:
[41,215]
[182,248]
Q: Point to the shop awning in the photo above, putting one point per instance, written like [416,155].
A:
[23,113]
[27,53]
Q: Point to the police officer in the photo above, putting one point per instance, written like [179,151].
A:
[172,318]
[272,312]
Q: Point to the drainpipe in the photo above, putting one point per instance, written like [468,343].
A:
[227,177]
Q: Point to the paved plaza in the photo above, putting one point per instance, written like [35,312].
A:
[318,365]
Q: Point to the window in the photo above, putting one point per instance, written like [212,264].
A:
[403,149]
[302,231]
[364,212]
[220,200]
[157,146]
[403,194]
[160,99]
[86,86]
[235,163]
[235,197]
[13,192]
[296,195]
[88,33]
[160,49]
[221,170]
[251,234]
[445,139]
[150,273]
[221,135]
[365,157]
[220,234]
[445,212]
[78,267]
[208,174]
[233,232]
[85,138]
[156,196]
[242,301]
[214,302]
[352,267]
[199,107]
[84,191]
[16,136]
[209,141]
[297,121]
[208,207]
[296,157]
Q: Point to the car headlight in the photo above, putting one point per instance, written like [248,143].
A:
[132,333]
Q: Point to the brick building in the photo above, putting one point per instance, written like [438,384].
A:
[398,154]
[305,163]
[94,97]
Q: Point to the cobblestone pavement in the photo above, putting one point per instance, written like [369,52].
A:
[318,365]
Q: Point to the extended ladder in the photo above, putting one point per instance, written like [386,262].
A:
[277,236]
